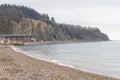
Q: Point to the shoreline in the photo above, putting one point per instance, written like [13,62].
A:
[29,65]
[67,41]
[57,63]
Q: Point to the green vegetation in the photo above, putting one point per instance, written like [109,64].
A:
[23,20]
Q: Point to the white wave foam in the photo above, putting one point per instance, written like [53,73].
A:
[18,49]
[60,63]
[57,62]
[35,51]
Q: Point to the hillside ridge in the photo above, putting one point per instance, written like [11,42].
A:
[23,20]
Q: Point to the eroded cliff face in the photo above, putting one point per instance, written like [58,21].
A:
[45,31]
[37,29]
[26,26]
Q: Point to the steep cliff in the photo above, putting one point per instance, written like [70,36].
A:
[22,20]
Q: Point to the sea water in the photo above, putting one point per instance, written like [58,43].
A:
[97,57]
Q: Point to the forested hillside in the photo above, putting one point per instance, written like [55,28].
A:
[23,20]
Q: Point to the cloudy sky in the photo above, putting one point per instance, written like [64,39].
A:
[104,14]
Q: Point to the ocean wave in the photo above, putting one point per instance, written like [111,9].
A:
[62,64]
[18,49]
[57,62]
[35,51]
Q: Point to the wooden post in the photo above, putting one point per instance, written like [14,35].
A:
[22,41]
[6,40]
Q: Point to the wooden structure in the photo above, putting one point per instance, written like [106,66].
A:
[15,39]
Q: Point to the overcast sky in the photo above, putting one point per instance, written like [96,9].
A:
[104,14]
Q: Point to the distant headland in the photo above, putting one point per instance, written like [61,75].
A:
[17,20]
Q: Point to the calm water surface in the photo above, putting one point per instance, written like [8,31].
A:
[99,57]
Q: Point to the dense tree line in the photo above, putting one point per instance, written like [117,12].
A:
[17,12]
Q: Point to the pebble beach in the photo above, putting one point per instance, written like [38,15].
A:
[18,66]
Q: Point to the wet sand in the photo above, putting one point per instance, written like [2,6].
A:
[17,66]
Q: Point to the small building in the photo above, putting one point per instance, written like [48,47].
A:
[15,39]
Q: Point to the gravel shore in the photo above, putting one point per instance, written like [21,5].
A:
[17,66]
